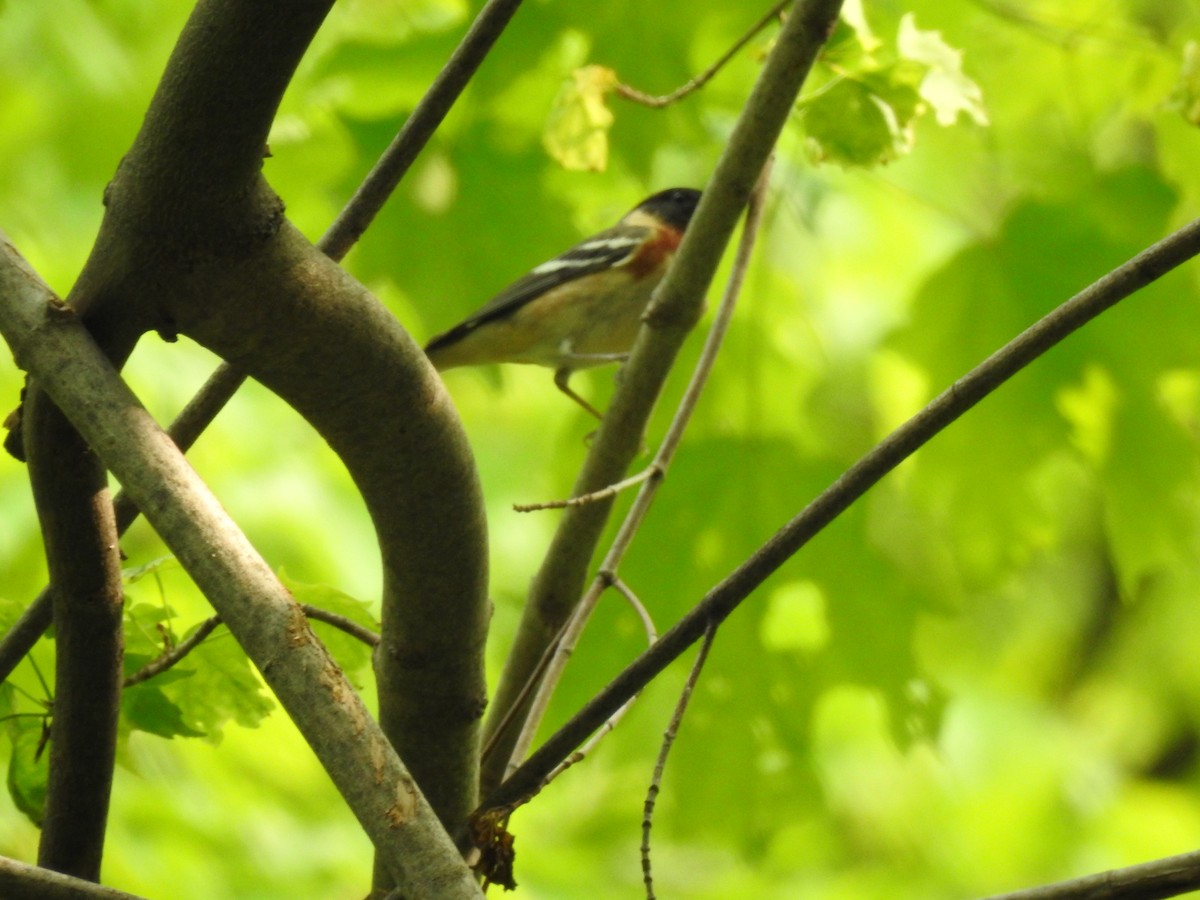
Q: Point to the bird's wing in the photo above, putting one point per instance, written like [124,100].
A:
[607,249]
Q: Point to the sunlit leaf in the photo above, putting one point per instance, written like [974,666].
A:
[576,132]
[945,87]
[1185,96]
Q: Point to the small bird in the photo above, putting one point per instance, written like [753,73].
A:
[583,307]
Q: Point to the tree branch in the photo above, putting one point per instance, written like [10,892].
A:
[20,881]
[676,307]
[70,490]
[1167,877]
[234,275]
[694,84]
[1072,315]
[565,644]
[48,340]
[342,234]
[664,750]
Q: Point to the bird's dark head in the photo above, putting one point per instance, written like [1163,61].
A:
[674,206]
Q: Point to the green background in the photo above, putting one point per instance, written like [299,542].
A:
[982,677]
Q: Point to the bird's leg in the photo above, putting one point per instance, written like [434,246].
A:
[561,377]
[595,359]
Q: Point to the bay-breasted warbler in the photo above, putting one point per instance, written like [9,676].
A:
[583,307]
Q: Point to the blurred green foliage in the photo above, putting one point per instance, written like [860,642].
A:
[981,677]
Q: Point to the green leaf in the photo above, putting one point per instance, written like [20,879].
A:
[29,766]
[852,122]
[222,686]
[147,708]
[865,115]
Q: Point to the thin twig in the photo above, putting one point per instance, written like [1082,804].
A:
[379,185]
[492,740]
[341,235]
[962,395]
[630,93]
[651,471]
[563,647]
[1168,877]
[341,623]
[614,720]
[174,655]
[668,740]
[638,607]
[167,660]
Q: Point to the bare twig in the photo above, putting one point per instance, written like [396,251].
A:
[378,186]
[638,607]
[630,93]
[341,623]
[651,637]
[1168,877]
[607,574]
[175,654]
[1141,270]
[606,493]
[660,766]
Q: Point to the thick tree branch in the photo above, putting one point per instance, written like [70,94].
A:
[199,246]
[1168,877]
[70,490]
[20,881]
[49,341]
[676,307]
[350,224]
[952,403]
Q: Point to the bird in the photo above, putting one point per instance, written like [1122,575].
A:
[582,308]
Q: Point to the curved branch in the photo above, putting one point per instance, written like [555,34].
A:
[952,403]
[201,247]
[350,224]
[675,308]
